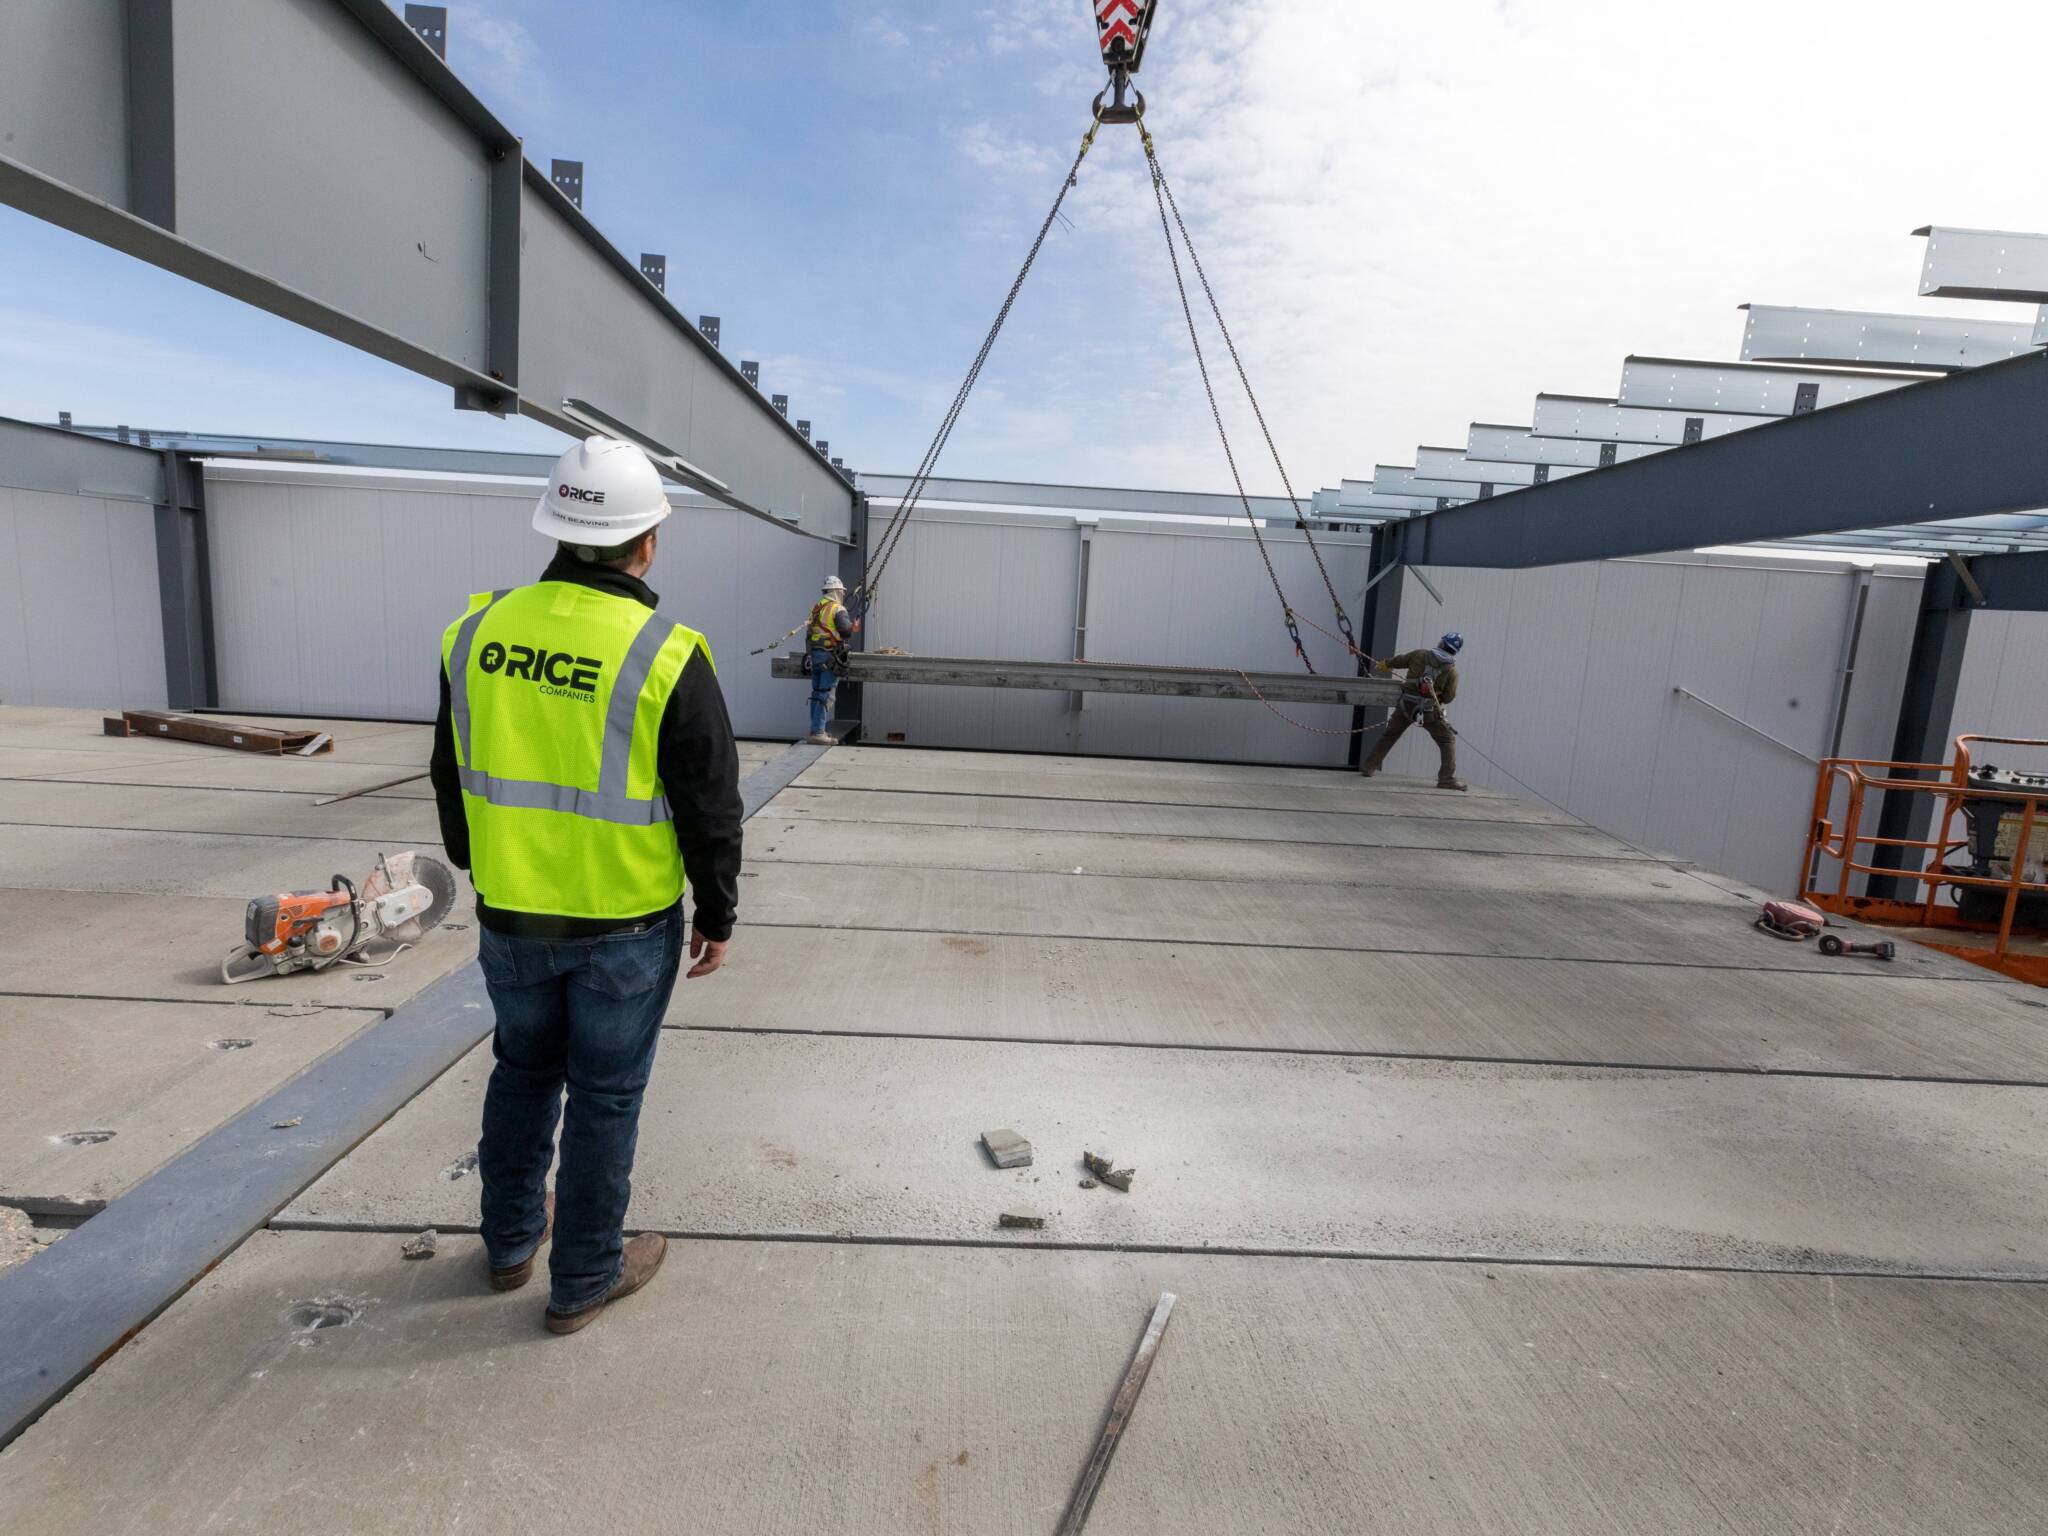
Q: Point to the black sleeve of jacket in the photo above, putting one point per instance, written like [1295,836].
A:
[700,770]
[441,768]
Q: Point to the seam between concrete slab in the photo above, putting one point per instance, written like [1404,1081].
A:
[1170,805]
[201,1002]
[1195,879]
[222,789]
[1575,1062]
[1869,972]
[1248,1251]
[806,819]
[292,837]
[77,1303]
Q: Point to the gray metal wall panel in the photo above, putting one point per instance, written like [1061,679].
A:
[2003,690]
[268,182]
[65,60]
[1576,664]
[364,573]
[83,629]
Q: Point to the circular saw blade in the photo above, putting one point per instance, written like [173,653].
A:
[439,880]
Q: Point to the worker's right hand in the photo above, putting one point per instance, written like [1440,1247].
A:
[708,953]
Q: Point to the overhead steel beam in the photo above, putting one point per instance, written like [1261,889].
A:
[316,159]
[1984,264]
[1407,480]
[1857,339]
[1365,496]
[1491,443]
[1682,384]
[1076,498]
[38,458]
[2012,583]
[1632,429]
[1457,464]
[1965,445]
[1109,677]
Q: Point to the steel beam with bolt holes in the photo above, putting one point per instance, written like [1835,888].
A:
[1109,677]
[328,167]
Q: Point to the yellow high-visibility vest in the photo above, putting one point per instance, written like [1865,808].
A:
[556,692]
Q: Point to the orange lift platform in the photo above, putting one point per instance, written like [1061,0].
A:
[1982,883]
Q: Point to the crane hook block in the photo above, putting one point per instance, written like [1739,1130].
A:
[1122,27]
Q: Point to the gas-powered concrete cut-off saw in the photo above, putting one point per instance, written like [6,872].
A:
[405,895]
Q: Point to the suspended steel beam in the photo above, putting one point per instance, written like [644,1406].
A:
[1984,264]
[316,159]
[1077,498]
[1681,384]
[1456,464]
[1109,677]
[1856,339]
[1407,480]
[1634,430]
[1961,446]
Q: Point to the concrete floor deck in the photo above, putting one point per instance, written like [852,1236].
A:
[1541,1193]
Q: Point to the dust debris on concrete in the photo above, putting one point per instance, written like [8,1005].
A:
[420,1247]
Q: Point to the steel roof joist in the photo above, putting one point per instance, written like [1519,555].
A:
[1456,464]
[1756,389]
[1634,430]
[1856,339]
[1553,457]
[1966,445]
[1984,264]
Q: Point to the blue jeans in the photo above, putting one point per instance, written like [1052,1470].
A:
[823,681]
[584,1013]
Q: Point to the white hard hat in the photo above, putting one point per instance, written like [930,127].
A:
[834,584]
[602,492]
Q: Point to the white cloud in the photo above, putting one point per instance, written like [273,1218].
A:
[496,55]
[886,32]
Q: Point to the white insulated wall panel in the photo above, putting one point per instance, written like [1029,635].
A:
[2003,690]
[1566,694]
[331,592]
[80,616]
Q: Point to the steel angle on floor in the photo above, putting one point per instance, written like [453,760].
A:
[1858,339]
[1108,677]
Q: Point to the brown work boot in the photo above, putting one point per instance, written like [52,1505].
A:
[642,1258]
[510,1279]
[1458,784]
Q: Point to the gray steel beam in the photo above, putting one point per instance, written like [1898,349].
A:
[1682,384]
[1456,464]
[1076,498]
[1965,445]
[1984,264]
[1857,339]
[1489,442]
[1631,429]
[184,572]
[2012,583]
[1109,677]
[1407,480]
[37,458]
[1362,496]
[326,166]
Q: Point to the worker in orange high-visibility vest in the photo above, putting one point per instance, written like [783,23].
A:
[825,636]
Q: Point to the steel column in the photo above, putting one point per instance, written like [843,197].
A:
[846,703]
[1926,713]
[184,577]
[1379,624]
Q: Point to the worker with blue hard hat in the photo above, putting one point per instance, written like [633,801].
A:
[1432,682]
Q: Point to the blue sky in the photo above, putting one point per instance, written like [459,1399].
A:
[1417,215]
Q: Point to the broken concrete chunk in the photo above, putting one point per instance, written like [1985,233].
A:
[1087,1183]
[421,1247]
[1116,1178]
[285,1125]
[1029,1220]
[1006,1149]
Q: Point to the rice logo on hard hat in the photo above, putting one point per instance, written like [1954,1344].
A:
[578,493]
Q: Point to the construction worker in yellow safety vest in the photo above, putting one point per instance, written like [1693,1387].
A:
[825,636]
[584,768]
[1431,684]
